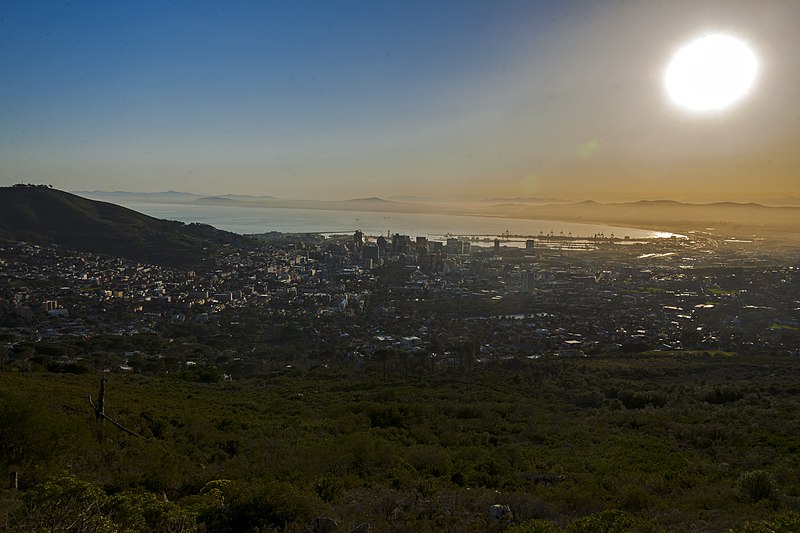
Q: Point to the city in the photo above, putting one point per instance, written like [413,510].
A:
[348,297]
[453,385]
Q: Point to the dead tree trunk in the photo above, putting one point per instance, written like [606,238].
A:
[100,411]
[100,408]
[14,481]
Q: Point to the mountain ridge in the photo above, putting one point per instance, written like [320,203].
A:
[44,215]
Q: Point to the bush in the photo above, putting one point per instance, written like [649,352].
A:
[610,521]
[537,525]
[722,395]
[261,506]
[69,504]
[140,512]
[784,523]
[756,485]
[61,504]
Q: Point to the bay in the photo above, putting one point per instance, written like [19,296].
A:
[250,220]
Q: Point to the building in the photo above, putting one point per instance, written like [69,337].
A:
[454,246]
[527,281]
[383,244]
[370,251]
[401,244]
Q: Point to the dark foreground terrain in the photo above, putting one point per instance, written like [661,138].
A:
[640,443]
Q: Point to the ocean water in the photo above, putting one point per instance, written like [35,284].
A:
[248,220]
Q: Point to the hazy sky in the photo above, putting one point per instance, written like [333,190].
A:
[342,99]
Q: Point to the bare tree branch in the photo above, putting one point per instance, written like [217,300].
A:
[100,409]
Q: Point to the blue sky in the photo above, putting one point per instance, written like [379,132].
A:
[337,99]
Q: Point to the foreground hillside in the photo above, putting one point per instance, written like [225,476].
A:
[628,443]
[47,216]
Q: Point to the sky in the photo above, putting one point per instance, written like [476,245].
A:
[341,99]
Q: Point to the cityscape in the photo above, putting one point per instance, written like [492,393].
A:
[438,348]
[388,267]
[373,293]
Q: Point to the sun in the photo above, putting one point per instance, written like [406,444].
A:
[711,73]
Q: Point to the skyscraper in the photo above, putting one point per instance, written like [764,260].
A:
[527,281]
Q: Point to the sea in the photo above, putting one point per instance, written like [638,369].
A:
[256,220]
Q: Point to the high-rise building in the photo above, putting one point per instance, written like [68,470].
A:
[401,244]
[527,281]
[370,251]
[497,247]
[382,244]
[433,260]
[454,246]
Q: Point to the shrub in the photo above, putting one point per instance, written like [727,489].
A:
[261,506]
[62,504]
[784,523]
[610,521]
[329,488]
[722,395]
[756,485]
[537,525]
[148,512]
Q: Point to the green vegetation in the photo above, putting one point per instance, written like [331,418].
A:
[686,353]
[784,326]
[639,443]
[722,292]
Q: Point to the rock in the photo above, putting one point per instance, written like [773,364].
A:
[497,512]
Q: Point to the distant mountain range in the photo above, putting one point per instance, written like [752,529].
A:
[732,218]
[785,201]
[156,197]
[43,215]
[372,203]
[726,218]
[527,200]
[170,197]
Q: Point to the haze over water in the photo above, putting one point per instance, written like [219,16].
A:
[248,220]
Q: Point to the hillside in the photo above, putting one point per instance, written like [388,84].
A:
[49,216]
[631,443]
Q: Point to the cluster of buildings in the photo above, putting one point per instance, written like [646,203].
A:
[425,302]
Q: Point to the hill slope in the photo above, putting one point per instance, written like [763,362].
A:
[49,216]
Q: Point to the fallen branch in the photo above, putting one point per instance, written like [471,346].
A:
[100,409]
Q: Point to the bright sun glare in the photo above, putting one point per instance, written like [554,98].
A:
[711,73]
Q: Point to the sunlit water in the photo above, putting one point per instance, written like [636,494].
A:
[249,220]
